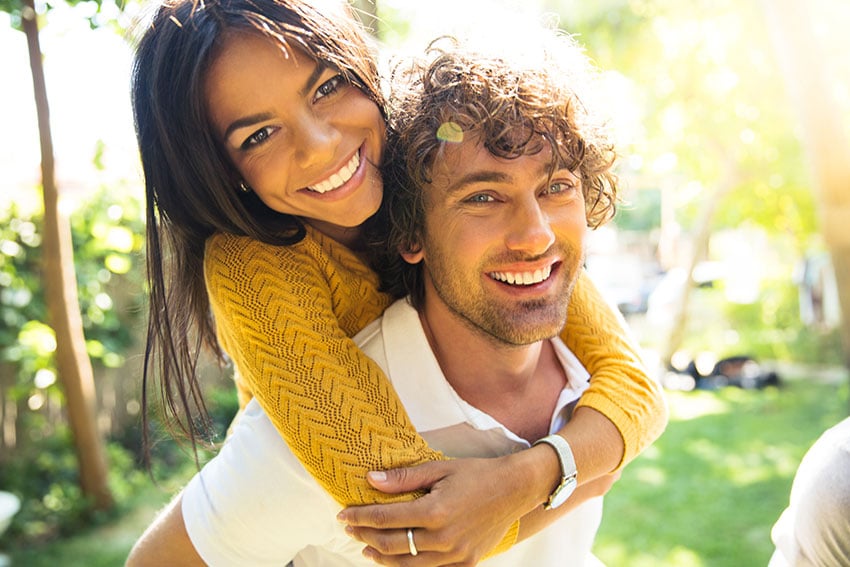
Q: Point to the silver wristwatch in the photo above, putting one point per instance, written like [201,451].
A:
[568,470]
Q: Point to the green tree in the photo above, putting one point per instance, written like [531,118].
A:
[711,131]
[72,361]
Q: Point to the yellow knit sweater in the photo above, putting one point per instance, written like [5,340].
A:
[284,314]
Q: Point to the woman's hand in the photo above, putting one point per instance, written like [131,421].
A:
[470,506]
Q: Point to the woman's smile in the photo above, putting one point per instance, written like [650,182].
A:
[336,180]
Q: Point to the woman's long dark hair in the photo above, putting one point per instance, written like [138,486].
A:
[192,188]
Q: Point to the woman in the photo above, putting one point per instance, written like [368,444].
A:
[262,179]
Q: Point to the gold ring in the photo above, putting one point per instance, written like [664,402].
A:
[410,544]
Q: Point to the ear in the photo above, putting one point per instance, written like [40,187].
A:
[413,255]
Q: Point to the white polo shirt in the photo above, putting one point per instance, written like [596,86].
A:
[255,504]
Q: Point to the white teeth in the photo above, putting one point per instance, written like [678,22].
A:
[523,278]
[336,180]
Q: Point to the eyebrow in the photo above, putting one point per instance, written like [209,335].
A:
[313,78]
[476,177]
[486,176]
[246,121]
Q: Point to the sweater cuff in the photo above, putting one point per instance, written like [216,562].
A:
[507,542]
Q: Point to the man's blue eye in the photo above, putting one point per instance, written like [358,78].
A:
[561,187]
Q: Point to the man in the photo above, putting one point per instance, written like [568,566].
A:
[493,181]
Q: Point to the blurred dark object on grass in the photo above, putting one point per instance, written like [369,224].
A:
[740,371]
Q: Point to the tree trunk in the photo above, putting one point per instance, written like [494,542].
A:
[699,251]
[826,142]
[72,361]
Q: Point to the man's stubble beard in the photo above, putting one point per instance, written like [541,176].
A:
[520,323]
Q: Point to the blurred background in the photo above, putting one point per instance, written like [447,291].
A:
[729,258]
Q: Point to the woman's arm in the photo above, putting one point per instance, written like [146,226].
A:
[620,387]
[284,315]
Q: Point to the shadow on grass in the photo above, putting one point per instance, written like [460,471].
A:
[709,490]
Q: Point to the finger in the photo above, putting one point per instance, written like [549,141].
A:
[388,542]
[407,479]
[387,516]
[424,559]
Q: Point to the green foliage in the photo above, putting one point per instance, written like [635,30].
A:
[708,92]
[107,237]
[771,328]
[223,405]
[94,10]
[641,214]
[44,475]
[393,27]
[106,544]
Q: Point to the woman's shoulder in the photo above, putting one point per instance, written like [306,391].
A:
[229,252]
[226,247]
[241,262]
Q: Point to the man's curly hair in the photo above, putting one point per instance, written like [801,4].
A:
[514,106]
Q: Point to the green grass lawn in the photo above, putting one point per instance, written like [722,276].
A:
[706,494]
[709,490]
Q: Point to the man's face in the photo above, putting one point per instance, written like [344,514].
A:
[503,241]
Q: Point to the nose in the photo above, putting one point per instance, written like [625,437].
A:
[315,140]
[529,229]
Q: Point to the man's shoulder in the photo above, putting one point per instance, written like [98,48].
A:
[399,317]
[370,336]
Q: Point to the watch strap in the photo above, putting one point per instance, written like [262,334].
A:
[568,467]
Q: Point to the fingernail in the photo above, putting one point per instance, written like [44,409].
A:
[341,518]
[378,476]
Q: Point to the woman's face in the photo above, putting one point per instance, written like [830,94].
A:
[305,141]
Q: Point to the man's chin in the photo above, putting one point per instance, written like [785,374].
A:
[528,332]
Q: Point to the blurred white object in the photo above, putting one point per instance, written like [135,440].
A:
[9,506]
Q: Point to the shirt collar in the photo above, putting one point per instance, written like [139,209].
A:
[427,396]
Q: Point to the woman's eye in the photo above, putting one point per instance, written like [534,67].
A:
[328,87]
[257,137]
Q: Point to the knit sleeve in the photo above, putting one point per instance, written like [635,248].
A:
[620,387]
[277,312]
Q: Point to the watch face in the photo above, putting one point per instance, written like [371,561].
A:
[562,492]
